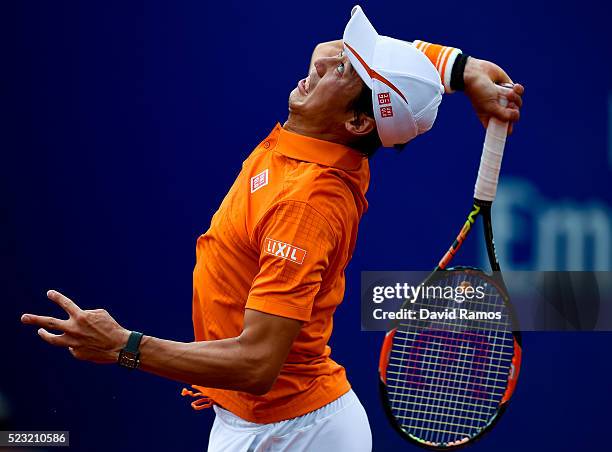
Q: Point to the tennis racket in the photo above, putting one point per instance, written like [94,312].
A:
[445,383]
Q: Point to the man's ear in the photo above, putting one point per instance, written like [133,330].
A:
[360,125]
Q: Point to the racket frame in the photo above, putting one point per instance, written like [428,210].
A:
[479,209]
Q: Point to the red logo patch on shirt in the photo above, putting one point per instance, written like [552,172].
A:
[386,112]
[284,250]
[260,180]
[384,98]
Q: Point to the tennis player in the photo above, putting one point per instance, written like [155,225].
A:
[269,272]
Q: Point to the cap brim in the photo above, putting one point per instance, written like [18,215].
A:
[360,38]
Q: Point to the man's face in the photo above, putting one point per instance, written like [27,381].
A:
[323,98]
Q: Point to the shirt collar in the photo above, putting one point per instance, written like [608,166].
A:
[308,149]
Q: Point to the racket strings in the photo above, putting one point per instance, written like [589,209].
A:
[442,398]
[446,379]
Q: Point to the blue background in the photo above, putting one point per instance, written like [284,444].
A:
[123,124]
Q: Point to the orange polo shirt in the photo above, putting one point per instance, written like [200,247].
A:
[279,244]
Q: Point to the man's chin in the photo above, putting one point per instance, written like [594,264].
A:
[295,99]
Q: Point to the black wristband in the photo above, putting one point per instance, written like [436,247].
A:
[456,81]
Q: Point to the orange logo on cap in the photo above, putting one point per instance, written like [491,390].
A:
[284,250]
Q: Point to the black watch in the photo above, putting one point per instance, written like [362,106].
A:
[129,357]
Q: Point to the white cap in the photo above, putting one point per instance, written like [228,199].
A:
[406,88]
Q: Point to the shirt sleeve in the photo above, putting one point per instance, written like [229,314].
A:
[442,57]
[296,246]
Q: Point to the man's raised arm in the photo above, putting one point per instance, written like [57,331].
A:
[459,72]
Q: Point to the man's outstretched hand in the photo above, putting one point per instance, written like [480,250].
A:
[480,79]
[91,335]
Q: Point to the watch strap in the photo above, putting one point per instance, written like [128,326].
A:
[133,342]
[129,356]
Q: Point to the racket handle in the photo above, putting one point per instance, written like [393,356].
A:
[492,153]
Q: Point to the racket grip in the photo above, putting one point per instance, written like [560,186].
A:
[492,153]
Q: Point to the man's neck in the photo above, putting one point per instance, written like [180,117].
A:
[294,125]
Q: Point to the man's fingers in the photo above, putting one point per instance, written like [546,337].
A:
[46,322]
[509,113]
[514,98]
[518,89]
[512,115]
[59,340]
[63,302]
[515,113]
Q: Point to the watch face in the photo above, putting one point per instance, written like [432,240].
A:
[128,359]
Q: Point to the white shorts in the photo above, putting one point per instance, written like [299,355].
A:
[338,426]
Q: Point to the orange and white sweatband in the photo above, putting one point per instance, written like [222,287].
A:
[442,57]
